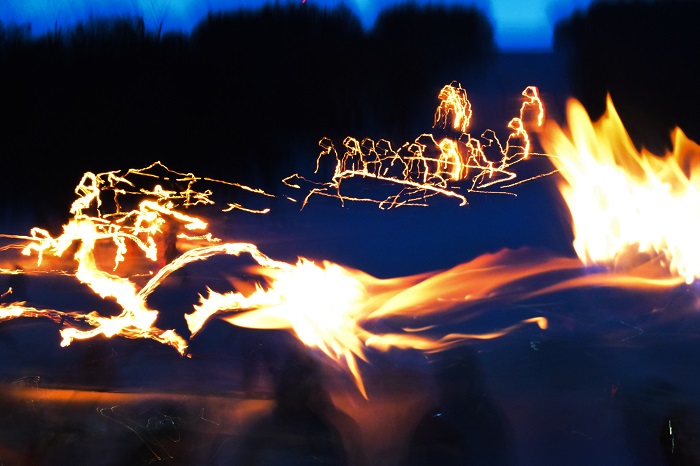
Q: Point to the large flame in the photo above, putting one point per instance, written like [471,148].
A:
[331,308]
[627,204]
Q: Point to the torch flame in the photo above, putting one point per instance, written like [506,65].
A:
[627,204]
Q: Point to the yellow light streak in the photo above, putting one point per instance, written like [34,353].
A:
[450,166]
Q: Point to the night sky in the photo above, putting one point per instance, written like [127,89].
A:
[518,24]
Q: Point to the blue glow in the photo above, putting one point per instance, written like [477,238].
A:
[518,24]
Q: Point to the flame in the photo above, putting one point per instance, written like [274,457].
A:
[157,214]
[627,204]
[334,308]
[327,306]
[126,236]
[339,311]
[331,308]
[429,165]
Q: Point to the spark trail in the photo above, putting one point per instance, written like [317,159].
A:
[450,166]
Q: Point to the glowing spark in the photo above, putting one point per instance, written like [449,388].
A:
[429,166]
[628,205]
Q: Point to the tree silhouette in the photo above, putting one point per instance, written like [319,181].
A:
[637,51]
[240,98]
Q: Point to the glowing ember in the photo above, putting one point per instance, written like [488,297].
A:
[427,166]
[628,205]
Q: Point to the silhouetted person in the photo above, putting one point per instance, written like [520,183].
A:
[464,427]
[304,427]
[261,353]
[659,425]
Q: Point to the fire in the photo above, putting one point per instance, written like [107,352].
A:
[331,308]
[625,203]
[327,306]
[129,231]
[96,226]
[430,165]
[334,308]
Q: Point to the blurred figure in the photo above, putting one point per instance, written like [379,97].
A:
[660,426]
[262,355]
[464,427]
[304,427]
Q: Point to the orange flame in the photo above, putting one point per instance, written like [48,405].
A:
[626,204]
[329,307]
[332,308]
[141,227]
[326,306]
[427,166]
